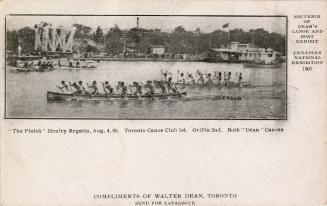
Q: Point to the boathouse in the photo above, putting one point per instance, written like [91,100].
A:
[243,52]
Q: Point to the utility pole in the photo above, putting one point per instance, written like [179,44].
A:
[138,34]
[124,39]
[137,22]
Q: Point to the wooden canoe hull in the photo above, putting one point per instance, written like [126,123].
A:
[56,96]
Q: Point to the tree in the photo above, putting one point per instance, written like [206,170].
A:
[179,29]
[114,40]
[12,40]
[26,38]
[90,48]
[178,41]
[197,31]
[82,31]
[98,35]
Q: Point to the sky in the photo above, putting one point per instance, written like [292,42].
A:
[165,23]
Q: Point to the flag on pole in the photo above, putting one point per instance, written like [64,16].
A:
[226,25]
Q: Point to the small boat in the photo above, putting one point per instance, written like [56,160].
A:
[33,69]
[58,96]
[22,70]
[255,65]
[89,67]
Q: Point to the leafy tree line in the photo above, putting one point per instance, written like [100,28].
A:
[177,42]
[25,37]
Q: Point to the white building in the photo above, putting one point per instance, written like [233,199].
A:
[247,52]
[158,50]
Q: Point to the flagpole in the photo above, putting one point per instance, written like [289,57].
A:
[228,33]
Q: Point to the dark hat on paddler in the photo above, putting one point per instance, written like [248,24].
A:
[106,82]
[156,82]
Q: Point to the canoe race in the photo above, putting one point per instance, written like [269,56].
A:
[135,67]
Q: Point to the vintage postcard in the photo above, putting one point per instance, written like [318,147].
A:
[163,103]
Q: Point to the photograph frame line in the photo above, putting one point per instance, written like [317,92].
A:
[151,119]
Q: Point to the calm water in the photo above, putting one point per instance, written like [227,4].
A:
[26,93]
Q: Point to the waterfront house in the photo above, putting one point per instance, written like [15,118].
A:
[243,52]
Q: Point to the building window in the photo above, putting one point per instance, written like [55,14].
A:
[270,55]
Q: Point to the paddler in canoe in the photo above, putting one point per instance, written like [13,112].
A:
[201,78]
[171,86]
[108,88]
[218,77]
[77,88]
[165,76]
[122,87]
[138,88]
[149,87]
[239,79]
[94,87]
[209,79]
[181,78]
[78,64]
[63,86]
[190,78]
[228,78]
[80,83]
[162,87]
[49,64]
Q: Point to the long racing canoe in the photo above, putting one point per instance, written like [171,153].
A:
[58,96]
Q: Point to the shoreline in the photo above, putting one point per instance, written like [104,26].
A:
[133,59]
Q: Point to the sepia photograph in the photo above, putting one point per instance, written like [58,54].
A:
[146,67]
